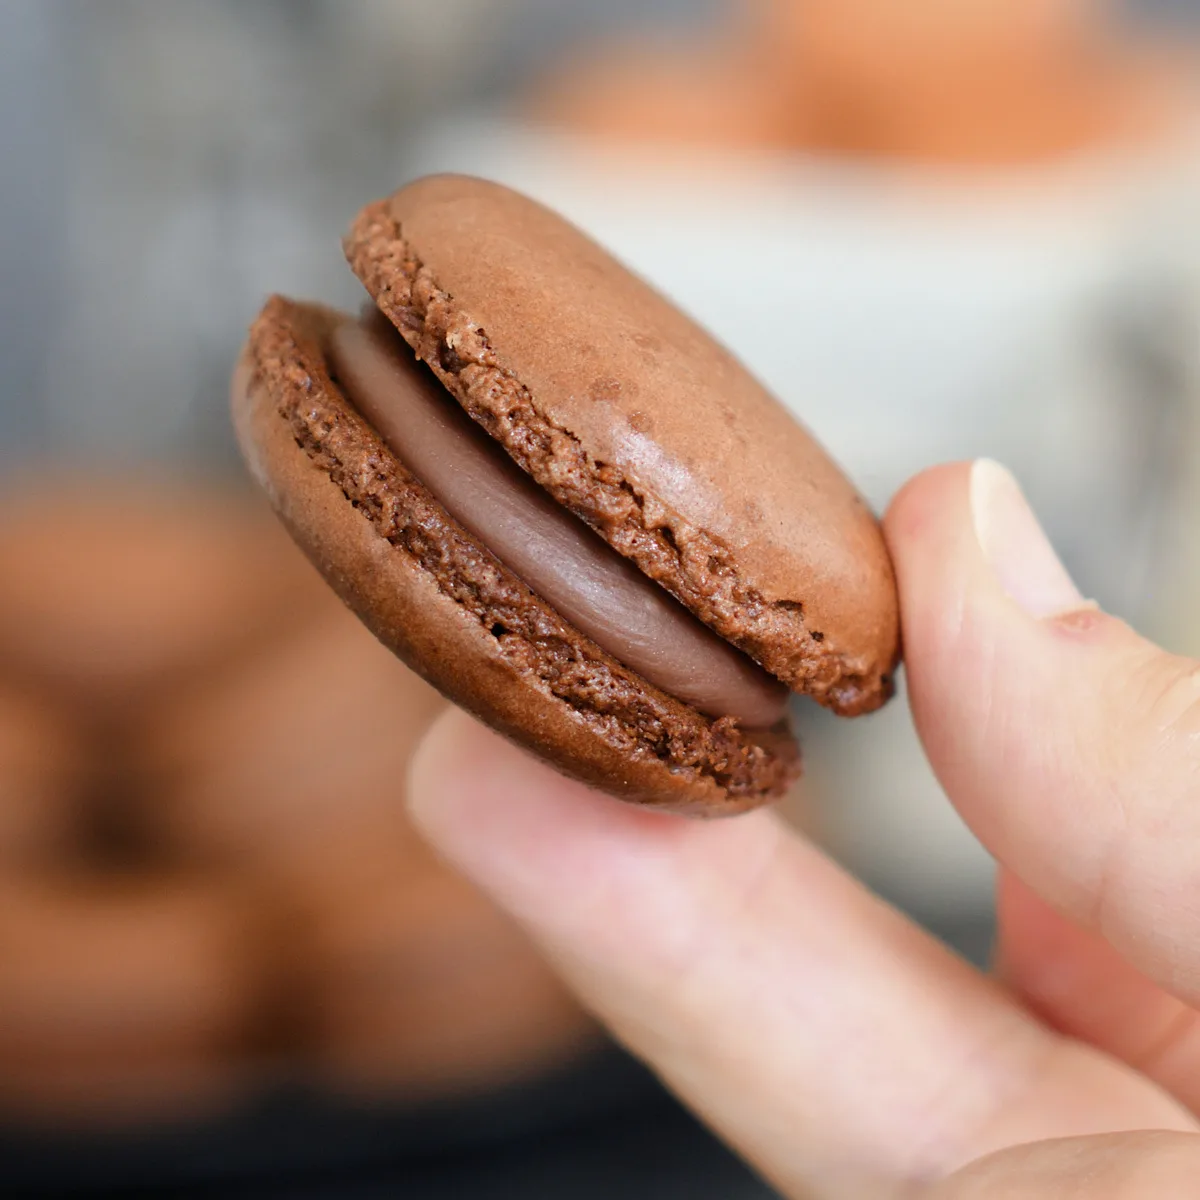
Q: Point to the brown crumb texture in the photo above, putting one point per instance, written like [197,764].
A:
[694,566]
[286,353]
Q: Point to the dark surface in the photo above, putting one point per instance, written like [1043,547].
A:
[603,1129]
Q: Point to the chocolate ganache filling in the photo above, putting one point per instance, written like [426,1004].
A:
[552,551]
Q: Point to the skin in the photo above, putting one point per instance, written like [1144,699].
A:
[839,1048]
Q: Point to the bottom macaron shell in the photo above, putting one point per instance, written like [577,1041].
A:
[455,614]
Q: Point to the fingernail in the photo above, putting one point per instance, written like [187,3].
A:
[1016,546]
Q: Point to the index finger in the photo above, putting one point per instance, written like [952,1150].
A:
[838,1047]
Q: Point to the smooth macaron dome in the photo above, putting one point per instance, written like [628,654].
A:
[616,547]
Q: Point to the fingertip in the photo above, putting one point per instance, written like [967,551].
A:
[924,503]
[472,791]
[528,835]
[940,579]
[432,797]
[930,537]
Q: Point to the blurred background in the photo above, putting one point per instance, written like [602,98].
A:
[937,230]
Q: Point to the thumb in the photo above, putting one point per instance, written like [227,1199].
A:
[1070,744]
[1128,1166]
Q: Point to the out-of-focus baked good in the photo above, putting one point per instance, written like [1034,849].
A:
[986,83]
[299,753]
[42,770]
[112,591]
[420,988]
[125,999]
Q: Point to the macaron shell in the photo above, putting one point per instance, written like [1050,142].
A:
[424,588]
[636,420]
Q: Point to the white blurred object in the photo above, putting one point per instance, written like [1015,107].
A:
[909,318]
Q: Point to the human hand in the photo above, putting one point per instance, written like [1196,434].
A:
[839,1048]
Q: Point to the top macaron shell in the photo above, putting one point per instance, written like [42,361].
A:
[632,417]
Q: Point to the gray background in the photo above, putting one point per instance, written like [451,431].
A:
[165,161]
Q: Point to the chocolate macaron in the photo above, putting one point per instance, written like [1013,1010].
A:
[564,504]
